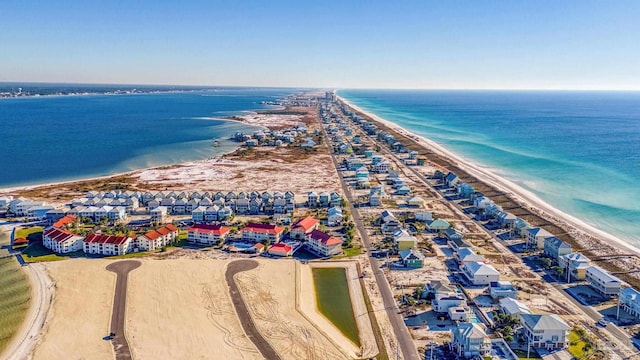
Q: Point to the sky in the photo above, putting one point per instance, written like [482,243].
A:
[540,44]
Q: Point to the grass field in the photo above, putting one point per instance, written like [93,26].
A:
[334,301]
[15,294]
[33,233]
[36,252]
[576,345]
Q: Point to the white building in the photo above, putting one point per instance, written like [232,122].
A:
[479,273]
[156,239]
[159,214]
[536,236]
[629,301]
[61,241]
[334,217]
[511,306]
[502,289]
[107,244]
[603,282]
[545,331]
[209,235]
[323,244]
[470,340]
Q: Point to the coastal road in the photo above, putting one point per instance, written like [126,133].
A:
[119,341]
[249,327]
[405,341]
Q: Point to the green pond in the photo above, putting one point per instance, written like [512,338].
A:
[334,301]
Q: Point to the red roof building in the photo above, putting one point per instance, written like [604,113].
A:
[64,221]
[259,232]
[323,244]
[155,239]
[20,241]
[303,227]
[107,244]
[61,241]
[207,234]
[280,249]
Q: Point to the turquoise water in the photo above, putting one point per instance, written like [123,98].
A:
[58,138]
[578,151]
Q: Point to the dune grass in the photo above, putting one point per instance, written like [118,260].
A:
[334,301]
[15,295]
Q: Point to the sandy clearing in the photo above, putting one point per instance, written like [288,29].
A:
[81,311]
[270,292]
[180,309]
[309,306]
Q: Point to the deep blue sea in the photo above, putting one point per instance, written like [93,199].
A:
[57,138]
[578,151]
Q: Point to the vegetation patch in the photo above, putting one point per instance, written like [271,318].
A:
[334,301]
[15,295]
[36,252]
[33,233]
[580,347]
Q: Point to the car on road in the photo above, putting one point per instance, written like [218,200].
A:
[602,322]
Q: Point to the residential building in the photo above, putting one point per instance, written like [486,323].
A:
[323,244]
[479,273]
[554,248]
[107,244]
[207,234]
[445,299]
[304,227]
[259,232]
[280,249]
[61,241]
[603,282]
[629,301]
[514,307]
[574,266]
[403,240]
[159,214]
[424,216]
[545,331]
[502,289]
[415,201]
[411,258]
[438,225]
[156,239]
[470,340]
[465,255]
[334,216]
[536,236]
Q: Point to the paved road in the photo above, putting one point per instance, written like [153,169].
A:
[119,341]
[405,341]
[267,351]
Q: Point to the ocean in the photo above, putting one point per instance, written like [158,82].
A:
[58,138]
[578,151]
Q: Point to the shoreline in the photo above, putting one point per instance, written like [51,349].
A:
[520,195]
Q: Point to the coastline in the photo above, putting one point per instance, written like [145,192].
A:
[518,193]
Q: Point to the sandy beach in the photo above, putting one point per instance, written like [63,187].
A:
[587,233]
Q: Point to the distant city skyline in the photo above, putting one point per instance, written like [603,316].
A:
[581,45]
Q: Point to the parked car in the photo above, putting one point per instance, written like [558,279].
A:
[602,322]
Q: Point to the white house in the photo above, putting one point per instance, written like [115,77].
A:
[511,306]
[545,331]
[443,300]
[424,216]
[334,216]
[502,289]
[479,273]
[536,236]
[574,265]
[629,301]
[156,239]
[159,214]
[61,241]
[603,282]
[470,340]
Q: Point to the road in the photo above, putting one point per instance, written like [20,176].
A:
[405,341]
[249,327]
[119,341]
[25,340]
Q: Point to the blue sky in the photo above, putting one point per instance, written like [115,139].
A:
[341,44]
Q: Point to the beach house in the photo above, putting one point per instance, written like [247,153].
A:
[545,331]
[259,232]
[574,266]
[451,179]
[470,340]
[629,301]
[603,282]
[411,259]
[209,235]
[323,244]
[438,225]
[554,248]
[479,273]
[415,202]
[403,240]
[502,289]
[334,216]
[61,241]
[280,249]
[536,236]
[511,306]
[107,244]
[304,227]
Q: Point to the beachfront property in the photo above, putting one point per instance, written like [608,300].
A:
[512,306]
[479,273]
[458,244]
[107,244]
[403,240]
[255,232]
[323,244]
[505,219]
[536,236]
[38,213]
[156,239]
[61,241]
[545,331]
[554,248]
[304,227]
[629,301]
[603,282]
[280,249]
[465,190]
[209,235]
[574,266]
[21,206]
[4,202]
[411,259]
[502,289]
[451,179]
[470,340]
